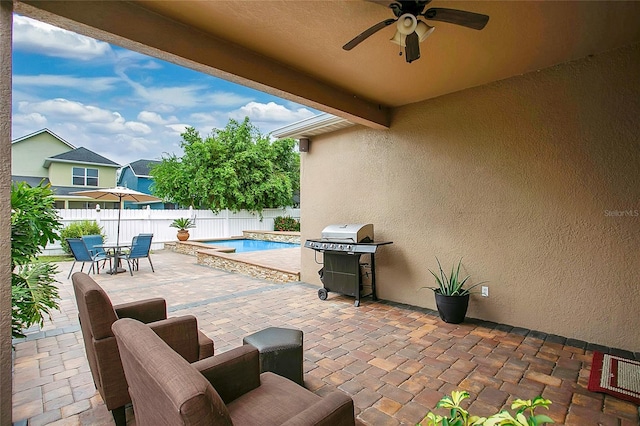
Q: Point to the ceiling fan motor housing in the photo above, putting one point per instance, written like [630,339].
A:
[407,24]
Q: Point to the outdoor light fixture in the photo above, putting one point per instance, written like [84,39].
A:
[410,31]
[422,29]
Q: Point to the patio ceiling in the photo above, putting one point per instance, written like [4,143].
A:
[293,49]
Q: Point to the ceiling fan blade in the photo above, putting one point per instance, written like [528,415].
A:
[367,33]
[473,20]
[412,49]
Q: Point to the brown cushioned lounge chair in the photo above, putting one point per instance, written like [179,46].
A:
[97,314]
[226,389]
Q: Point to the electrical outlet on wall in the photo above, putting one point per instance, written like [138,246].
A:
[484,291]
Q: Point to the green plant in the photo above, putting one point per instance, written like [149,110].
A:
[34,223]
[458,416]
[286,223]
[451,285]
[183,223]
[33,294]
[77,230]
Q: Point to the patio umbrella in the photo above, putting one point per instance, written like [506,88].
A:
[119,194]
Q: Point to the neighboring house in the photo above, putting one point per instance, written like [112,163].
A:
[43,155]
[137,176]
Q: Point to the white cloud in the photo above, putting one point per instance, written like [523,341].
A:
[130,59]
[33,119]
[270,112]
[165,98]
[168,98]
[86,84]
[84,116]
[226,99]
[137,127]
[45,39]
[177,129]
[155,118]
[70,110]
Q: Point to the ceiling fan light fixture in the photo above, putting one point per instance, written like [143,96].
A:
[399,39]
[423,30]
[407,24]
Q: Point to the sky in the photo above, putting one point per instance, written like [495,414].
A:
[121,104]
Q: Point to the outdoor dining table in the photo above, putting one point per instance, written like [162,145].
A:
[114,251]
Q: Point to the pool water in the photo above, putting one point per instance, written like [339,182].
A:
[242,246]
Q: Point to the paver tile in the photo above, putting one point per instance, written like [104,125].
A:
[395,361]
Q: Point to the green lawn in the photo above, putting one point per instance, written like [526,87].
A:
[55,258]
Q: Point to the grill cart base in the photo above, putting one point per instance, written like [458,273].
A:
[343,273]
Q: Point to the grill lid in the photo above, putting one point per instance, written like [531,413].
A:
[354,233]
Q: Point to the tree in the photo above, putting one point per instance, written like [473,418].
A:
[234,168]
[34,223]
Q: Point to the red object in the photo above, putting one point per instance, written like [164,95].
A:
[616,376]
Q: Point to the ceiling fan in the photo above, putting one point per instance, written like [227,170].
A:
[410,30]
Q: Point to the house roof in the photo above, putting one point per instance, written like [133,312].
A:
[312,126]
[81,155]
[35,181]
[30,180]
[141,168]
[294,49]
[45,130]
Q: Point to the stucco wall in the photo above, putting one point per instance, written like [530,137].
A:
[534,180]
[6,20]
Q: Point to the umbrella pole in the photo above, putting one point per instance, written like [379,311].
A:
[116,252]
[119,210]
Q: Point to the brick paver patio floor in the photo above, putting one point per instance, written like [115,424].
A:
[395,361]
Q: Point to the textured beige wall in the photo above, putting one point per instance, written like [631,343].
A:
[534,180]
[6,9]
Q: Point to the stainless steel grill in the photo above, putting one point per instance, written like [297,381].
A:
[344,270]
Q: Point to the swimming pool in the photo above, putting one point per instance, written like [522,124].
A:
[243,245]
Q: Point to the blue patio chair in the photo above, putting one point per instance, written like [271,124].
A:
[82,254]
[93,243]
[140,247]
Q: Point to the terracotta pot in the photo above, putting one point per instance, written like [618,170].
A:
[183,235]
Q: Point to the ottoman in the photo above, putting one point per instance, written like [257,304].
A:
[280,351]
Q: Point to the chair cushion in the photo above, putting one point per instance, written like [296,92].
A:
[94,306]
[274,402]
[164,387]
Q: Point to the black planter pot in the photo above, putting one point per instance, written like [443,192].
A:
[452,309]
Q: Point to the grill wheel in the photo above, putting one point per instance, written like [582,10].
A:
[322,294]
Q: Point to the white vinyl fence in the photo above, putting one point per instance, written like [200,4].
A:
[146,221]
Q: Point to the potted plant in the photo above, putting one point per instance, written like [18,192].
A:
[183,224]
[458,416]
[452,299]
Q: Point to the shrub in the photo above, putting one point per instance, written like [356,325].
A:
[183,223]
[77,230]
[458,416]
[34,223]
[285,223]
